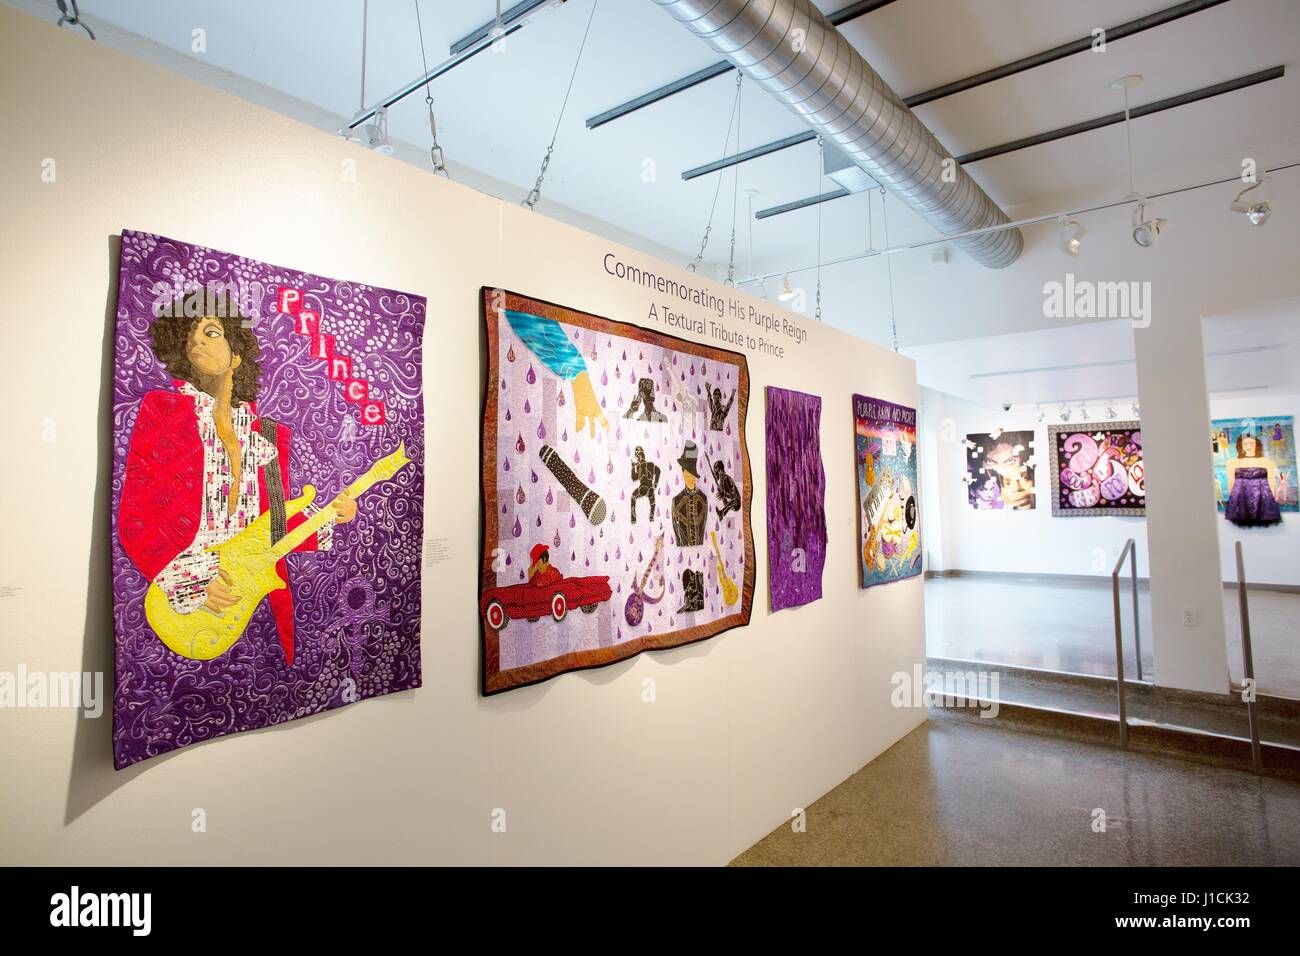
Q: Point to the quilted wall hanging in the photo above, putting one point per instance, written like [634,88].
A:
[1000,470]
[1254,469]
[796,498]
[889,518]
[616,491]
[1097,469]
[268,475]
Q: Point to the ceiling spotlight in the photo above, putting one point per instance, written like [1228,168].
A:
[374,135]
[1110,410]
[1041,414]
[1071,234]
[786,293]
[1083,411]
[1136,409]
[1146,229]
[1065,412]
[1257,208]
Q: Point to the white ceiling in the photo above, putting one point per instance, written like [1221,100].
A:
[1251,351]
[496,113]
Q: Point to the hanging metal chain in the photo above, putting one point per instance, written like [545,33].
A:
[889,268]
[821,169]
[535,193]
[436,156]
[731,119]
[73,18]
[735,189]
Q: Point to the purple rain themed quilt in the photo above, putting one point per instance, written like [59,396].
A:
[268,477]
[616,491]
[796,498]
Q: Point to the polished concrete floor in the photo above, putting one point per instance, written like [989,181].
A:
[958,792]
[1069,626]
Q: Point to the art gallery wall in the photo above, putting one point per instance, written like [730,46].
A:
[1034,542]
[1020,542]
[743,728]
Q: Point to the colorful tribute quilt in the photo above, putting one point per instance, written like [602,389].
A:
[1000,471]
[268,476]
[889,545]
[796,498]
[1097,469]
[1254,469]
[616,491]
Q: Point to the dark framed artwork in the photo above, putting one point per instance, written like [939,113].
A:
[616,491]
[1097,469]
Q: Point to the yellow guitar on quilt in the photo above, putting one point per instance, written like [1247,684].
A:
[730,593]
[250,559]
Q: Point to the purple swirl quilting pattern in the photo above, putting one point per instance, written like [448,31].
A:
[356,607]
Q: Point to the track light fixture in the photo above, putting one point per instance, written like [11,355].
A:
[786,293]
[1137,413]
[1110,410]
[1257,208]
[1146,229]
[1065,412]
[374,135]
[1041,415]
[1083,411]
[1070,236]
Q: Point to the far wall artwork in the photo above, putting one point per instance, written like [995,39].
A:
[1000,470]
[616,491]
[889,545]
[1254,469]
[796,498]
[1097,469]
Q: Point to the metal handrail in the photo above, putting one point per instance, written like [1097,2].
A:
[1248,664]
[1129,548]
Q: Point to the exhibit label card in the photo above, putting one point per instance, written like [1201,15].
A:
[616,491]
[267,500]
[888,516]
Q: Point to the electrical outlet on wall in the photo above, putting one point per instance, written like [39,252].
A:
[1189,617]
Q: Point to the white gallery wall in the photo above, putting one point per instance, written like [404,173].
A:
[745,728]
[959,538]
[1019,542]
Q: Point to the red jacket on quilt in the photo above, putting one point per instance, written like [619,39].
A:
[162,494]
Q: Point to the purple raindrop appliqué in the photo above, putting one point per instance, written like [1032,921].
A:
[510,354]
[531,377]
[519,495]
[519,444]
[517,530]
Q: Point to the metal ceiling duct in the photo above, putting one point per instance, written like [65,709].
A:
[819,75]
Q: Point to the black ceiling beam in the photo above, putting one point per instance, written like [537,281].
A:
[507,17]
[801,203]
[1159,106]
[1082,45]
[851,12]
[1156,19]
